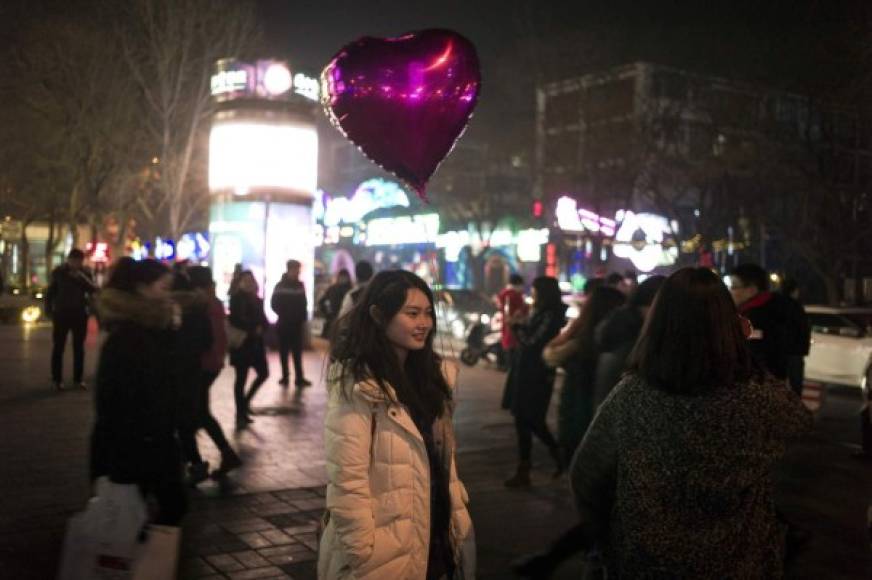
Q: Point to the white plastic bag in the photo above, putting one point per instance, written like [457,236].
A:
[102,541]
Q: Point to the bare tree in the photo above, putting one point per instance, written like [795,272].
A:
[170,46]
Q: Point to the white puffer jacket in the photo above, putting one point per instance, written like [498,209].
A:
[378,491]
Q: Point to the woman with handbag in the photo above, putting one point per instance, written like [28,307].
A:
[528,392]
[395,506]
[134,436]
[247,315]
[575,350]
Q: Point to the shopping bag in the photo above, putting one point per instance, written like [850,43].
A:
[158,555]
[102,542]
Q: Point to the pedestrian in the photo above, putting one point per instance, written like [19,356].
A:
[395,506]
[616,335]
[193,340]
[798,341]
[362,274]
[576,408]
[770,315]
[511,303]
[575,412]
[67,301]
[134,436]
[331,302]
[674,477]
[290,304]
[211,363]
[246,314]
[528,393]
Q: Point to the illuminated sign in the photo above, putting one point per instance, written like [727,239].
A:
[244,156]
[307,87]
[528,242]
[392,231]
[276,79]
[571,218]
[641,238]
[369,196]
[229,81]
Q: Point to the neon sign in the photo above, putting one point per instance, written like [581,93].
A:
[571,218]
[641,238]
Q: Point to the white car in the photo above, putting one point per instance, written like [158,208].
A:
[841,346]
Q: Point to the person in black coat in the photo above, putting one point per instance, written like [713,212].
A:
[528,391]
[330,303]
[66,301]
[798,341]
[134,435]
[616,336]
[290,304]
[246,314]
[772,316]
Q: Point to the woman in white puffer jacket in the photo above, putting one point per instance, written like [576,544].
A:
[395,507]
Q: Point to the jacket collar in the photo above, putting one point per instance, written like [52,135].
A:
[115,306]
[755,301]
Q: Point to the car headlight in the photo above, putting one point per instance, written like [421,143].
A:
[31,314]
[38,295]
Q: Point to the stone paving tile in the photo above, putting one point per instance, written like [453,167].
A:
[268,572]
[290,554]
[301,571]
[287,520]
[255,540]
[277,537]
[309,504]
[225,563]
[250,559]
[248,525]
[195,567]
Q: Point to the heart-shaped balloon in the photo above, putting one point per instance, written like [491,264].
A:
[404,101]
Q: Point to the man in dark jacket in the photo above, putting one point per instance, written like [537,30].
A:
[331,302]
[66,301]
[289,302]
[770,315]
[798,337]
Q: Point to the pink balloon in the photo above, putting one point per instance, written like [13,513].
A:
[404,101]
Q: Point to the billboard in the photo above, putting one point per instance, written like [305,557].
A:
[248,155]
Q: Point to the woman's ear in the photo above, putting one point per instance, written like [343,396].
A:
[376,314]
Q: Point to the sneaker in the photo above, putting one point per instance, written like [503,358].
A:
[284,381]
[198,472]
[58,385]
[303,383]
[82,385]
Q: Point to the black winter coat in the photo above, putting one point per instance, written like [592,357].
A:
[246,313]
[531,381]
[134,439]
[615,338]
[774,322]
[289,302]
[69,292]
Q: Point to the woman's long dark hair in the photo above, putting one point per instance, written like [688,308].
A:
[692,342]
[602,301]
[547,293]
[363,351]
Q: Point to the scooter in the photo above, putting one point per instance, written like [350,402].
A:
[482,342]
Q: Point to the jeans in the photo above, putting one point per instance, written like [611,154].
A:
[291,341]
[62,324]
[258,362]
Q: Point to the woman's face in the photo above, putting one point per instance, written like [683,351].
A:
[410,327]
[160,288]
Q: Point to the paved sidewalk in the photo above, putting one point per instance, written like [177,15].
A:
[260,522]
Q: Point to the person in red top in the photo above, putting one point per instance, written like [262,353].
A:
[211,363]
[511,303]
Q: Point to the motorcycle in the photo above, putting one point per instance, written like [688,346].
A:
[482,342]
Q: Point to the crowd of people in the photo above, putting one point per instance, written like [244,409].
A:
[679,396]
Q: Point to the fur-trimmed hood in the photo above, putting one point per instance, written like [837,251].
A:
[116,306]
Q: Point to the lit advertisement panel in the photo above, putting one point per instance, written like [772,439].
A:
[262,237]
[245,156]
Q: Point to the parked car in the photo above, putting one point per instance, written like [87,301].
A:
[457,310]
[18,305]
[841,346]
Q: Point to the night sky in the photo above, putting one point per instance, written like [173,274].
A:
[801,45]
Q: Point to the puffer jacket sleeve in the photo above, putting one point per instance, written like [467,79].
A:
[348,440]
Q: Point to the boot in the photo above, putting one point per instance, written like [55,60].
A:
[521,477]
[229,461]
